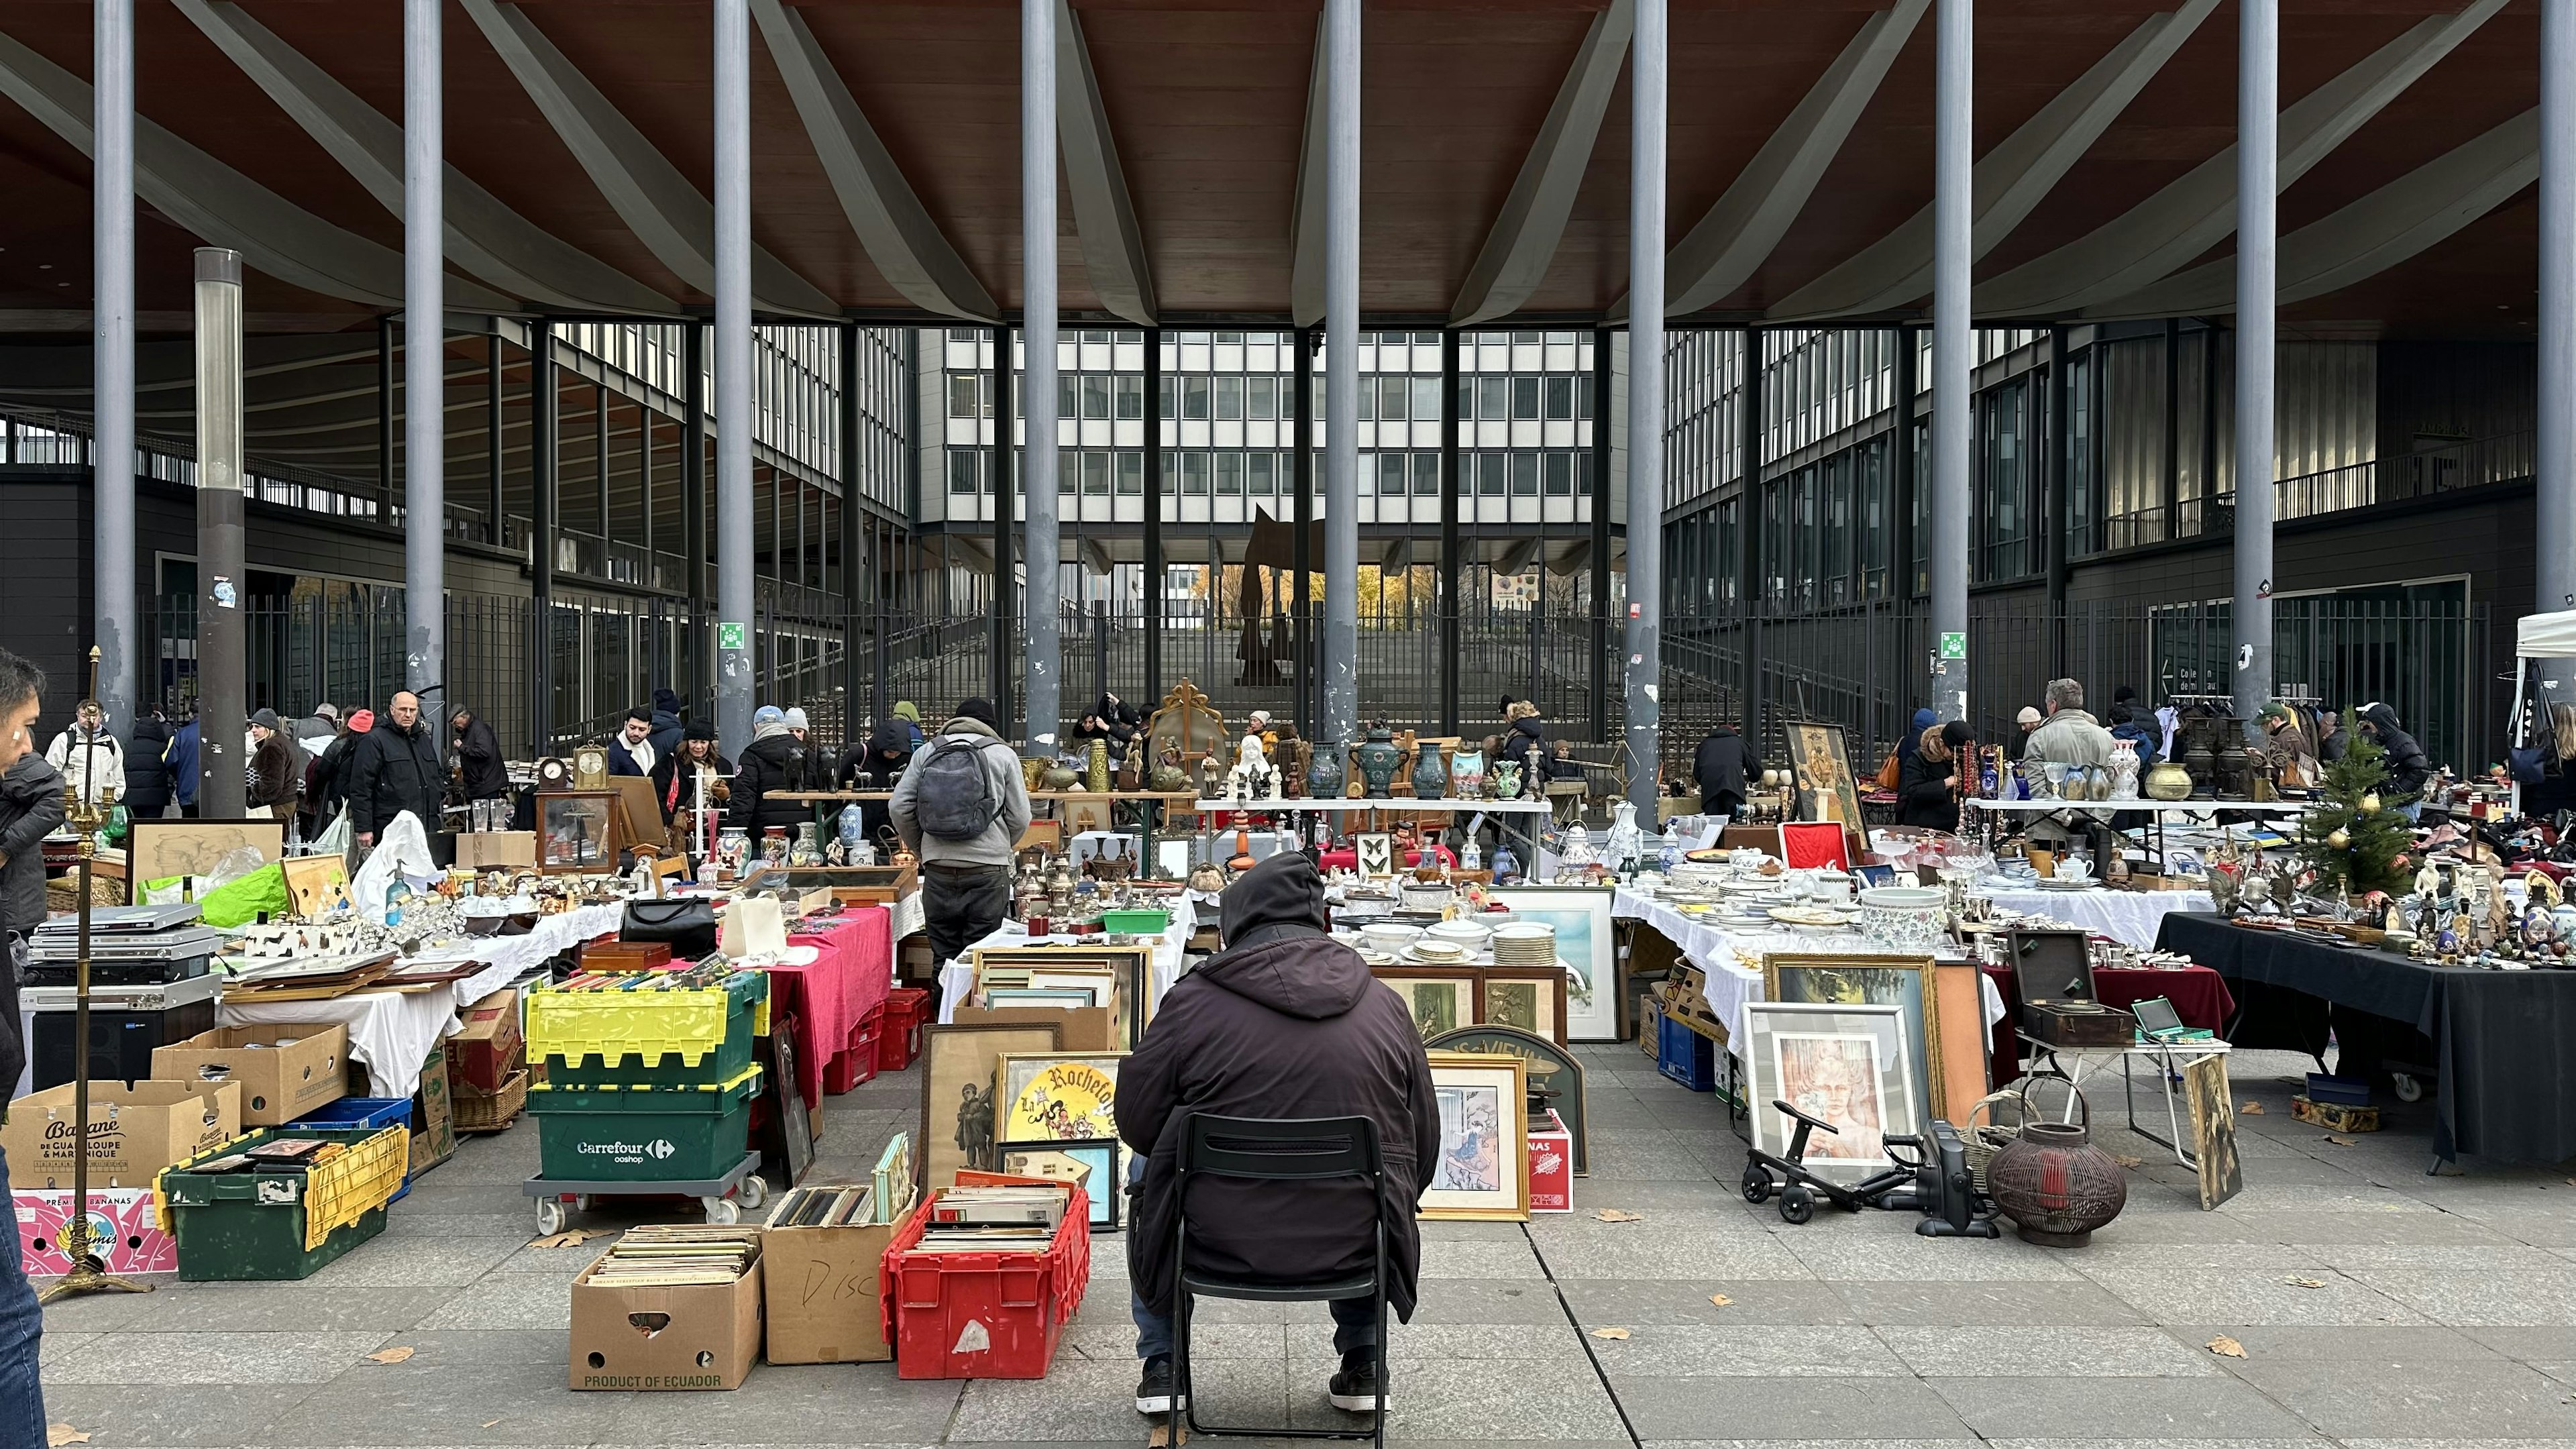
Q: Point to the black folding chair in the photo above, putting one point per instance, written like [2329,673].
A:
[1268,1150]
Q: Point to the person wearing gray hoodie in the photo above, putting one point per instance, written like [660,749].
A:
[965,883]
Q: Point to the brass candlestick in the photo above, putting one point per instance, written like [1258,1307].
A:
[86,818]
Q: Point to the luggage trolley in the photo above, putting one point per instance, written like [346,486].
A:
[724,1198]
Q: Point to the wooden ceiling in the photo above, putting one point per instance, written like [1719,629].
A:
[1206,101]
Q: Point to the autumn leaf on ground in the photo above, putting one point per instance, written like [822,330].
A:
[1615,1335]
[2305,1282]
[390,1355]
[2251,1109]
[1162,1436]
[2226,1347]
[488,1423]
[2339,1141]
[64,1434]
[1720,1299]
[2127,1161]
[1617,1215]
[572,1238]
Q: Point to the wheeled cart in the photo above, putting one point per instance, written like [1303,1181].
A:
[723,1197]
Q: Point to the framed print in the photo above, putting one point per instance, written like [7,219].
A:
[1525,998]
[1132,967]
[1822,765]
[1961,1071]
[1091,1166]
[786,1137]
[1482,1171]
[2213,1130]
[1581,916]
[1905,982]
[1057,1097]
[1039,996]
[1376,851]
[1438,998]
[576,831]
[957,1109]
[160,849]
[1843,1065]
[1553,1075]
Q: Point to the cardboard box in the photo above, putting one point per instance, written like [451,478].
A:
[821,1292]
[1085,1028]
[491,1048]
[665,1338]
[433,1120]
[1551,1167]
[491,849]
[285,1071]
[134,1131]
[126,1232]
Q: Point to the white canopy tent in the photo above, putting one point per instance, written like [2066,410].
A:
[2537,636]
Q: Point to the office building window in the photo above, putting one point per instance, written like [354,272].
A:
[1229,399]
[1560,399]
[1390,474]
[1263,402]
[1095,475]
[1492,394]
[1560,475]
[965,393]
[1525,472]
[1489,474]
[1263,476]
[1095,395]
[1194,473]
[1131,397]
[1229,474]
[1194,399]
[965,472]
[1426,475]
[1525,399]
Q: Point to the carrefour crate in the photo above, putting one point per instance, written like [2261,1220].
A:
[376,1112]
[690,1037]
[644,1132]
[281,1223]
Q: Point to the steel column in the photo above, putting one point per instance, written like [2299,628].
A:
[1751,511]
[2554,538]
[1902,480]
[495,429]
[854,674]
[2258,147]
[599,468]
[2173,429]
[1153,517]
[1600,535]
[644,489]
[734,417]
[545,437]
[1953,355]
[114,601]
[1301,549]
[693,507]
[1044,647]
[222,687]
[1646,243]
[1003,549]
[1453,663]
[425,363]
[1341,676]
[2054,525]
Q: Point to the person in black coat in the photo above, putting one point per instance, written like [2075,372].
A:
[1927,782]
[147,769]
[1722,765]
[676,791]
[393,768]
[31,805]
[775,761]
[1285,1022]
[479,762]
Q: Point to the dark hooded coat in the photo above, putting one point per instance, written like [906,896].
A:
[479,760]
[1286,1022]
[2409,768]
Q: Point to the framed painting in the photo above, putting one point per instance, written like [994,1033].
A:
[160,849]
[1962,1071]
[1846,1066]
[1375,850]
[1524,998]
[1091,1166]
[1057,1096]
[1482,1171]
[577,831]
[1821,764]
[957,1109]
[1132,967]
[1438,998]
[1554,1076]
[1905,982]
[1585,943]
[2213,1130]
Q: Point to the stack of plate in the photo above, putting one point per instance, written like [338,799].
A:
[1526,943]
[1438,952]
[1466,933]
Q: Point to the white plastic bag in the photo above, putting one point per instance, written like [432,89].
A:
[334,839]
[402,846]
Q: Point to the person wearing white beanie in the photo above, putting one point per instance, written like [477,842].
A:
[796,724]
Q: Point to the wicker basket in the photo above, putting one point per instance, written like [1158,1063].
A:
[1981,1140]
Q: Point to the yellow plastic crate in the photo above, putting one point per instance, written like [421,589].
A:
[334,1194]
[611,1025]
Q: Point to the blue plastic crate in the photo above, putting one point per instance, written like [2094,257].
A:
[2342,1091]
[378,1112]
[1687,1057]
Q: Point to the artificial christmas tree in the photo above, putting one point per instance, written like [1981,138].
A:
[2351,838]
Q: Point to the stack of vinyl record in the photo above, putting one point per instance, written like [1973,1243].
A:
[1525,943]
[664,1256]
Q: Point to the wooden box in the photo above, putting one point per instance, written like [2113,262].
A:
[2078,1024]
[2335,1116]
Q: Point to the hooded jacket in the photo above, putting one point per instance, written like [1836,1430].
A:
[667,729]
[1001,773]
[276,770]
[186,774]
[2409,768]
[478,758]
[1286,1022]
[1720,766]
[76,760]
[31,805]
[1923,789]
[774,761]
[147,769]
[390,770]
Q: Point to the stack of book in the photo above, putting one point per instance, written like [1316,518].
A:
[994,1220]
[667,1256]
[841,1206]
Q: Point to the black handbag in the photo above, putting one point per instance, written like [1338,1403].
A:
[688,926]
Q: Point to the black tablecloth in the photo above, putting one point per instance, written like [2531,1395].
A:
[2498,1040]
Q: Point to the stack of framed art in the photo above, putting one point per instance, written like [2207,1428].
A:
[1940,1005]
[1552,1074]
[1481,1172]
[1004,1098]
[1071,978]
[1584,943]
[1446,998]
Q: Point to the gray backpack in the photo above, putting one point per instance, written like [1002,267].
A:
[955,801]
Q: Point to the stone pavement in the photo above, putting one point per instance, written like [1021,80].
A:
[2376,1307]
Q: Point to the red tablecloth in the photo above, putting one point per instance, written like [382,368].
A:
[827,998]
[2199,996]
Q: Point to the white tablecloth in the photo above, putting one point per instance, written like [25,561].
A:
[2131,917]
[392,1032]
[905,916]
[957,977]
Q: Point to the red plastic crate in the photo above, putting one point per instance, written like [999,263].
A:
[982,1315]
[899,1041]
[856,1062]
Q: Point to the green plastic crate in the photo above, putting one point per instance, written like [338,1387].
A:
[694,1038]
[250,1226]
[1137,922]
[643,1134]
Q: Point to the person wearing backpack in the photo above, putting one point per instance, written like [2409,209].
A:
[961,806]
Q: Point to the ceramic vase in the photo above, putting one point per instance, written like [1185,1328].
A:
[1324,776]
[1378,761]
[1626,842]
[2124,769]
[1466,773]
[1430,776]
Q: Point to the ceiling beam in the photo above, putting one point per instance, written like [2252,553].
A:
[1739,232]
[1306,218]
[2162,234]
[2010,181]
[484,236]
[673,219]
[223,207]
[1104,210]
[1524,237]
[909,250]
[2388,226]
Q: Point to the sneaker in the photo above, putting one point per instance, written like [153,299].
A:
[1154,1391]
[1355,1387]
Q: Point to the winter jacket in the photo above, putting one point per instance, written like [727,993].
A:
[390,770]
[1720,766]
[2069,737]
[2409,768]
[775,761]
[76,761]
[625,759]
[1001,772]
[676,792]
[1118,724]
[185,772]
[326,785]
[31,805]
[1284,1023]
[147,770]
[276,771]
[478,757]
[1923,791]
[668,731]
[2141,728]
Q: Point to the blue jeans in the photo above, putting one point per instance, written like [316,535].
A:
[22,1324]
[1354,1319]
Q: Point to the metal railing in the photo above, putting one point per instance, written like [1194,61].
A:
[2424,473]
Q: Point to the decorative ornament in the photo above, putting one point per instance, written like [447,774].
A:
[2370,803]
[2340,839]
